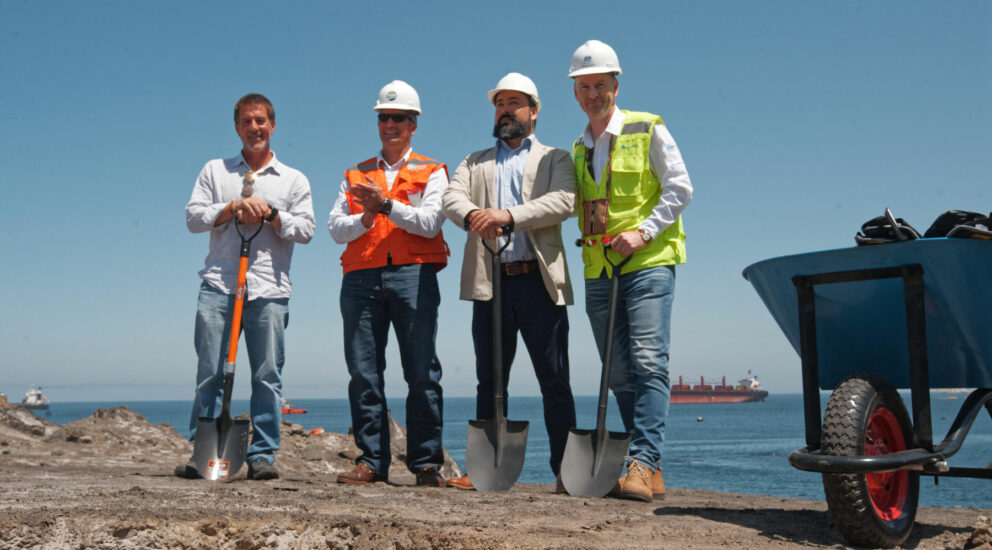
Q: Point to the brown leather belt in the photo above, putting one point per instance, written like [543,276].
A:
[519,268]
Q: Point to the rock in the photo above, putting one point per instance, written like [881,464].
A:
[981,538]
[313,452]
[23,424]
[54,434]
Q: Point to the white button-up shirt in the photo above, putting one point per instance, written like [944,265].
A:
[666,165]
[271,253]
[423,216]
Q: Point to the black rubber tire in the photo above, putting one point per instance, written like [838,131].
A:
[849,497]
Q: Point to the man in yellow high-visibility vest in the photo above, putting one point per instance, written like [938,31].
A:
[632,186]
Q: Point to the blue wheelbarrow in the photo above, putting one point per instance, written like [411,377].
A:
[865,322]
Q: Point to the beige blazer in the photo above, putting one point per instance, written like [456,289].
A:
[548,192]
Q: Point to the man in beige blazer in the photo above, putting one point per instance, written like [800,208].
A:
[531,188]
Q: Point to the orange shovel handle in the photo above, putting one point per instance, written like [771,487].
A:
[239,303]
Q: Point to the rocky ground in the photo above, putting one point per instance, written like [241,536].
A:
[106,482]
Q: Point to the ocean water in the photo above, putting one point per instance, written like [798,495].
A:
[738,448]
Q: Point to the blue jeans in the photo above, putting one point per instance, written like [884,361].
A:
[407,297]
[639,370]
[527,309]
[263,322]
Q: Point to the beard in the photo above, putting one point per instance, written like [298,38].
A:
[508,128]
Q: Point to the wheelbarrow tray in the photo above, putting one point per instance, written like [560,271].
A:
[861,326]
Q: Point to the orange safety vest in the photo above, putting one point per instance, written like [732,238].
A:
[384,242]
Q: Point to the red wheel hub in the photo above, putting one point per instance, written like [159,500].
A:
[887,490]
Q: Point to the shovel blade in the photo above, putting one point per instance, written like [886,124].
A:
[220,447]
[590,471]
[494,457]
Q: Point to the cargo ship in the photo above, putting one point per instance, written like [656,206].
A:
[747,389]
[34,400]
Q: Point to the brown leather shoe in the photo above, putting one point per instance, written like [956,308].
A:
[559,486]
[461,483]
[361,474]
[637,483]
[658,485]
[429,477]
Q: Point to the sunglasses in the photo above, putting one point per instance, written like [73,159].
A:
[397,117]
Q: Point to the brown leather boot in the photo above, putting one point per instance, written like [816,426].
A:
[658,485]
[361,474]
[636,484]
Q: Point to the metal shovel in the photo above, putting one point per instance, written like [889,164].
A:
[221,443]
[494,455]
[593,459]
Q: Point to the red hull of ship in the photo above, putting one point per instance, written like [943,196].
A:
[717,396]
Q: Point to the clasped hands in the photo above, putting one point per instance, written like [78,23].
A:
[251,210]
[370,196]
[488,222]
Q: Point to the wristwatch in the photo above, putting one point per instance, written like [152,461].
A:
[386,207]
[273,214]
[645,236]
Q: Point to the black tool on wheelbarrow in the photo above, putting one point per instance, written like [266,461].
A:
[593,459]
[221,443]
[494,455]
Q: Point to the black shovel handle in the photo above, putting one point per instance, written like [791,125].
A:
[499,413]
[611,318]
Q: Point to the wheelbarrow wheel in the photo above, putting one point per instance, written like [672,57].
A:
[866,416]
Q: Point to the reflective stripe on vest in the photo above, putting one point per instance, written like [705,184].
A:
[634,192]
[384,242]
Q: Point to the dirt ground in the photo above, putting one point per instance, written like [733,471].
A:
[106,482]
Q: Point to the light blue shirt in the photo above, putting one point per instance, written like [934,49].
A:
[509,174]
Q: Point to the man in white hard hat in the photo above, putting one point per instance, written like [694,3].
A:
[249,188]
[632,187]
[389,214]
[529,188]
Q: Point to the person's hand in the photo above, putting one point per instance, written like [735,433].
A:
[627,243]
[368,218]
[488,222]
[251,210]
[368,194]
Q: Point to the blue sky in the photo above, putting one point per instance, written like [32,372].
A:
[798,121]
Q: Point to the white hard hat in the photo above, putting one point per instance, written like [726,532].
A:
[594,57]
[518,83]
[398,95]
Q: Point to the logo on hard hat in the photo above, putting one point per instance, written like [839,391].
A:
[587,60]
[390,95]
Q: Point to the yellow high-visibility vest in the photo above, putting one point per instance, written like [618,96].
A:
[634,192]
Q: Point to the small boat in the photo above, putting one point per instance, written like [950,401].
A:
[748,389]
[34,400]
[287,408]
